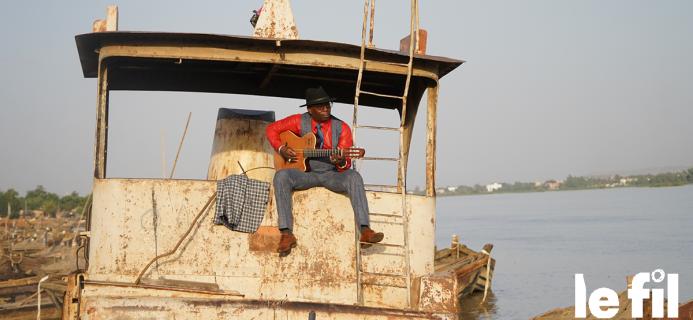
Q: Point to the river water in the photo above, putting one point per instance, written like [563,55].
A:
[542,239]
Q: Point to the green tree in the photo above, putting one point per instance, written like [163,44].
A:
[50,207]
[3,205]
[575,183]
[74,201]
[36,198]
[12,197]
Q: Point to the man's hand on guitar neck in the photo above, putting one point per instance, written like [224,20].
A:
[287,153]
[338,159]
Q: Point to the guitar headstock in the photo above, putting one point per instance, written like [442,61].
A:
[354,152]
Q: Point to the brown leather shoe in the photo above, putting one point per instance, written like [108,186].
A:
[370,236]
[286,243]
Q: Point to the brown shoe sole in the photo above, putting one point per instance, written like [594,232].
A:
[288,251]
[377,238]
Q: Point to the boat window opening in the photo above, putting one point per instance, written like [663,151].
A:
[379,167]
[416,164]
[379,175]
[145,129]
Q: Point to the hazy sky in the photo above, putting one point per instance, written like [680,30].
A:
[550,88]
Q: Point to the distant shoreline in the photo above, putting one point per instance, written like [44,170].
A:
[565,190]
[571,183]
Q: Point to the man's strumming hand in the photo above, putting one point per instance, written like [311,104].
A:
[287,153]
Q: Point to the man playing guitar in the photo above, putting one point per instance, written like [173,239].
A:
[331,172]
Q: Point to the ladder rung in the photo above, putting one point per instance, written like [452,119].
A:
[386,222]
[385,215]
[380,158]
[390,63]
[366,253]
[381,187]
[384,244]
[373,283]
[382,95]
[394,275]
[391,285]
[380,128]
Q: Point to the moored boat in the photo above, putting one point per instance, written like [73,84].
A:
[175,263]
[473,270]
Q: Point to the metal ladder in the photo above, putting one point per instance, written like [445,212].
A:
[401,185]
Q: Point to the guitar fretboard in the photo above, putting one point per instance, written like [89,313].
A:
[320,153]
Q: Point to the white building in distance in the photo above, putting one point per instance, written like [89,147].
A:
[493,187]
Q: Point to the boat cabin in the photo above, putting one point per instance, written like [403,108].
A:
[152,247]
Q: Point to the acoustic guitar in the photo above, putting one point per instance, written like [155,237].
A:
[305,149]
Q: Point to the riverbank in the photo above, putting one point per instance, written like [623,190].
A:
[668,179]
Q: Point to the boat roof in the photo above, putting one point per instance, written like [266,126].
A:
[201,63]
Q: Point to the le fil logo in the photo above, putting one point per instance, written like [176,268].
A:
[603,302]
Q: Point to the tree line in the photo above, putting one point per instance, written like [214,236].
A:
[39,199]
[668,179]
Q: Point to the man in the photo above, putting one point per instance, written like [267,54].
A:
[333,173]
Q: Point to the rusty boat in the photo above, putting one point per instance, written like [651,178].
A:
[152,250]
[473,269]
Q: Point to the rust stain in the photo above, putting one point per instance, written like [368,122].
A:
[139,308]
[265,239]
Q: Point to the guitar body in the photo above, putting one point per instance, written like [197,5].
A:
[296,143]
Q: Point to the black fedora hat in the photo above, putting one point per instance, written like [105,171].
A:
[316,96]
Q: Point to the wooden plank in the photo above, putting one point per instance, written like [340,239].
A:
[431,141]
[19,282]
[101,125]
[48,312]
[313,59]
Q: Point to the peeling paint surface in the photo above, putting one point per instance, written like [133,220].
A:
[276,21]
[439,293]
[322,269]
[146,306]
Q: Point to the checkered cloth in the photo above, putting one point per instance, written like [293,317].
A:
[241,203]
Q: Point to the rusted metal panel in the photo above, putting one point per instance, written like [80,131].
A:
[72,298]
[276,21]
[422,219]
[377,295]
[322,267]
[438,293]
[420,45]
[118,303]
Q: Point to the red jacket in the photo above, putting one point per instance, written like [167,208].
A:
[293,124]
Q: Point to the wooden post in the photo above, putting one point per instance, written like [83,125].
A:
[112,18]
[455,242]
[101,124]
[431,141]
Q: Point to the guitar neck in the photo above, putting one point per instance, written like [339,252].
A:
[320,153]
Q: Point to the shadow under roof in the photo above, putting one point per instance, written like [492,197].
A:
[131,70]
